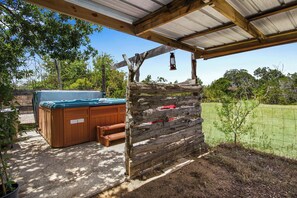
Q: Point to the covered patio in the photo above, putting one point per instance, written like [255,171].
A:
[205,28]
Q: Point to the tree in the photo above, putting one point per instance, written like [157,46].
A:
[70,72]
[218,89]
[241,81]
[81,84]
[148,79]
[115,80]
[233,115]
[274,87]
[27,30]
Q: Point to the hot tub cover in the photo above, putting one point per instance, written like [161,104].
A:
[57,95]
[61,104]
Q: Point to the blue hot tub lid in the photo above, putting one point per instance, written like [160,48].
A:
[61,104]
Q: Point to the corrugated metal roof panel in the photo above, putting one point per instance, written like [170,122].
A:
[202,42]
[166,33]
[293,14]
[164,2]
[250,7]
[105,10]
[226,36]
[174,30]
[193,22]
[277,23]
[212,13]
[206,18]
[123,7]
[147,5]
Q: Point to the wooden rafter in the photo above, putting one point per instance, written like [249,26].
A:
[228,11]
[260,15]
[252,44]
[167,13]
[73,10]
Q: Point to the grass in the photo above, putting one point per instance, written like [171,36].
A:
[275,129]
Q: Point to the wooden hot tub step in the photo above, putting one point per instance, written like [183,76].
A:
[114,126]
[115,136]
[108,133]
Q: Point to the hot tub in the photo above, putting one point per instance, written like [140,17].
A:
[69,122]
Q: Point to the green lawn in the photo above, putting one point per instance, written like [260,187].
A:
[275,129]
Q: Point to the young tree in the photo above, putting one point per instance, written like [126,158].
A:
[234,117]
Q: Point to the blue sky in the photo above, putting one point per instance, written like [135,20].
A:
[116,43]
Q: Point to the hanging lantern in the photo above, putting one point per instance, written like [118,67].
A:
[172,61]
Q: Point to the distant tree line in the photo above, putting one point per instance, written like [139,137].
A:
[76,75]
[269,86]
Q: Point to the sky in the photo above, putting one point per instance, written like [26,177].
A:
[115,43]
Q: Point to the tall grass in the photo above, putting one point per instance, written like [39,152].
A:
[275,129]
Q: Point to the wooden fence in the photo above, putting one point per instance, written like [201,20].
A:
[156,134]
[23,99]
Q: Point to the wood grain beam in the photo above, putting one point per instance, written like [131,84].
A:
[73,10]
[150,53]
[167,13]
[253,44]
[280,9]
[228,11]
[76,11]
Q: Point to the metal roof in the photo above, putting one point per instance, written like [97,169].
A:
[181,29]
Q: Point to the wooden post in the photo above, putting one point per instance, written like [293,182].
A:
[194,70]
[133,69]
[103,87]
[128,119]
[194,67]
[137,75]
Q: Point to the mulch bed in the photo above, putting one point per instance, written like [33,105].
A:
[229,171]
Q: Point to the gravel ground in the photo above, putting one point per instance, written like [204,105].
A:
[77,171]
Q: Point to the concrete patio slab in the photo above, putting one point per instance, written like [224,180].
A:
[26,118]
[77,171]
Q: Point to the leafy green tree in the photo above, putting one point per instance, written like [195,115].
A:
[234,118]
[161,80]
[199,81]
[241,81]
[148,79]
[81,84]
[274,87]
[115,80]
[27,30]
[218,89]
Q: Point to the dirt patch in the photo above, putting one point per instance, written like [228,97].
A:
[227,172]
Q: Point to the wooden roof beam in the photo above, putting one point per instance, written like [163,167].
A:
[280,9]
[167,13]
[228,11]
[253,44]
[76,11]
